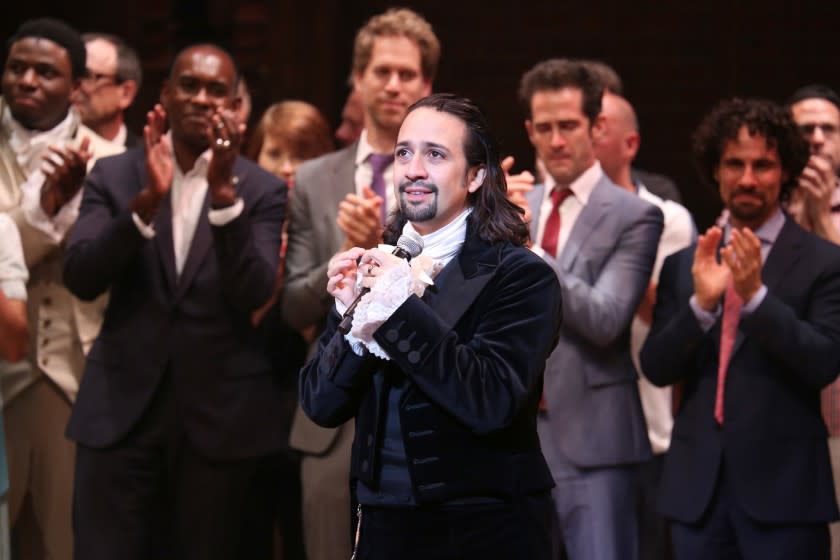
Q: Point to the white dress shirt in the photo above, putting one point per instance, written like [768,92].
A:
[187,193]
[30,148]
[571,208]
[678,233]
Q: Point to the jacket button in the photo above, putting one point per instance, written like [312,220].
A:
[392,335]
[404,346]
[413,357]
[47,323]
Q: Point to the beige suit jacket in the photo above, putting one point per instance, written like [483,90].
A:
[62,327]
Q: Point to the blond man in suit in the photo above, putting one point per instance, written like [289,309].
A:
[336,207]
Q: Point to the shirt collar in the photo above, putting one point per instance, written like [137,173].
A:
[122,134]
[581,187]
[32,143]
[199,167]
[363,149]
[766,232]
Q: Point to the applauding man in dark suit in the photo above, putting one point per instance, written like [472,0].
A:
[175,412]
[749,319]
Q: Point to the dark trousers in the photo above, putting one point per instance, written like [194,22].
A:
[726,532]
[154,497]
[654,533]
[525,528]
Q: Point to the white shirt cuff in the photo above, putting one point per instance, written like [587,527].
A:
[57,227]
[146,230]
[224,216]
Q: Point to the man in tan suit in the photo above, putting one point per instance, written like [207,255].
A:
[337,205]
[44,156]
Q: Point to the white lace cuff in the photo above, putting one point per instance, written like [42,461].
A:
[390,291]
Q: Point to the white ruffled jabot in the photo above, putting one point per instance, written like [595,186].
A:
[399,282]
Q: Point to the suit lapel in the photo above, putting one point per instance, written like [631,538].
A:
[782,258]
[597,207]
[163,241]
[163,229]
[203,239]
[535,198]
[462,280]
[201,243]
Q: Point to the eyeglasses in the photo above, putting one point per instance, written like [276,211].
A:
[95,80]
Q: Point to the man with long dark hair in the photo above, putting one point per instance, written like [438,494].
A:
[443,376]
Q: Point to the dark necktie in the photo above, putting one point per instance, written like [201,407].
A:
[378,163]
[551,233]
[732,304]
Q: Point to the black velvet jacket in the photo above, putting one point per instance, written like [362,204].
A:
[473,350]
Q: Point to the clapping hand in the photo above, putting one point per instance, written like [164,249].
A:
[225,136]
[517,186]
[65,171]
[359,217]
[160,165]
[710,276]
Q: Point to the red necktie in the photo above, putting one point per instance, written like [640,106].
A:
[551,233]
[732,304]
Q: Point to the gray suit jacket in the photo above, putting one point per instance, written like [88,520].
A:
[594,413]
[321,184]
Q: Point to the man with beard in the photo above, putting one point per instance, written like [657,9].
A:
[749,321]
[443,382]
[44,155]
[341,201]
[176,412]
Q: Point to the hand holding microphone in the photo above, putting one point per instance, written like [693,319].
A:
[409,245]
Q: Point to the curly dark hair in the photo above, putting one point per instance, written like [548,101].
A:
[761,117]
[496,218]
[559,73]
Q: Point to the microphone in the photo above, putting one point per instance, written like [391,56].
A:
[409,245]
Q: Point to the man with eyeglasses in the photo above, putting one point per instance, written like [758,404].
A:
[44,155]
[177,418]
[815,205]
[108,88]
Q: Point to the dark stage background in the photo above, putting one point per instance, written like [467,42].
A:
[676,58]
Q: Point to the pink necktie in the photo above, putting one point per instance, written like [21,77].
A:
[732,304]
[551,233]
